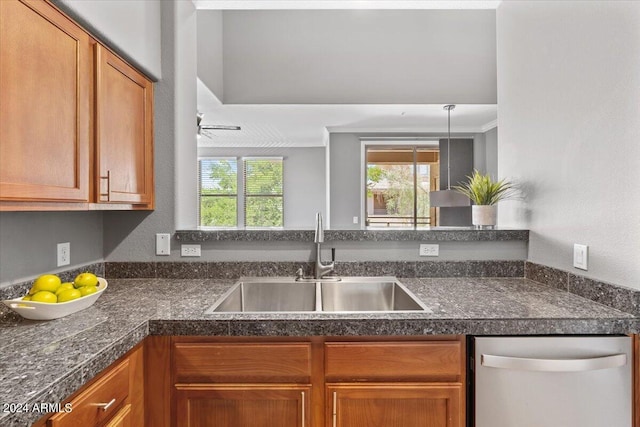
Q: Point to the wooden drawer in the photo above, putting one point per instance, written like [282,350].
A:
[242,363]
[86,409]
[394,361]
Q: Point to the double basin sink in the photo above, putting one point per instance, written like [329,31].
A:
[347,294]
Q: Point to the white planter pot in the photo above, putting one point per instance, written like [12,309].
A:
[484,215]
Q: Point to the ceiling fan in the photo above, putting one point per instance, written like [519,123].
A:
[202,129]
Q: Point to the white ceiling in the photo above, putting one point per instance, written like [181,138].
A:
[345,4]
[309,125]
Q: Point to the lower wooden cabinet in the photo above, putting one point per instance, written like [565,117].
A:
[242,406]
[394,405]
[316,382]
[115,398]
[122,418]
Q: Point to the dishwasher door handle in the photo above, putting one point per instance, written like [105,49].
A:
[553,365]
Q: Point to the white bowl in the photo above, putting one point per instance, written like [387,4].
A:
[47,311]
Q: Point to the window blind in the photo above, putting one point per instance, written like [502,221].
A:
[263,192]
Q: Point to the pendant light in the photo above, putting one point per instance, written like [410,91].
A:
[448,198]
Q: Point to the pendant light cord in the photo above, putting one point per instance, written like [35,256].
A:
[449,108]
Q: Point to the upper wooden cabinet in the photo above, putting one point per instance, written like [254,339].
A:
[124,131]
[76,121]
[45,104]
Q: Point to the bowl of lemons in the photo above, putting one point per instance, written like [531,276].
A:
[49,298]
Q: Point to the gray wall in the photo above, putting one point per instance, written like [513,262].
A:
[359,56]
[210,48]
[131,28]
[491,153]
[28,242]
[304,179]
[569,122]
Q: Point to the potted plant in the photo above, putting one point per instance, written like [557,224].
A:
[485,193]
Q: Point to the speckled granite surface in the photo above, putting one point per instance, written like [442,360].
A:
[436,234]
[236,269]
[48,361]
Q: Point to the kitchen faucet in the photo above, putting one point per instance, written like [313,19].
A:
[321,269]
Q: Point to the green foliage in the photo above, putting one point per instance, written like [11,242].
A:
[482,190]
[218,211]
[263,212]
[400,192]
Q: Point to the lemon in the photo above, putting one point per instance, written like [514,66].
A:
[26,298]
[46,282]
[85,279]
[88,290]
[69,295]
[64,287]
[44,296]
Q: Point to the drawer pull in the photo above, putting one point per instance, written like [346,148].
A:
[106,406]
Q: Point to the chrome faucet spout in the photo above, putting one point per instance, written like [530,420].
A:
[320,269]
[319,235]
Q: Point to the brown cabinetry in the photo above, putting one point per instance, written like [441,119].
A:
[317,381]
[242,384]
[124,131]
[45,104]
[394,405]
[76,121]
[395,384]
[114,398]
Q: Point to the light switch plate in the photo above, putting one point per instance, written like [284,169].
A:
[580,256]
[429,250]
[163,244]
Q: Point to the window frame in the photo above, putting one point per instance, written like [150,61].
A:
[240,194]
[391,143]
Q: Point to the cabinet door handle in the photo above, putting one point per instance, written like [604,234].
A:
[106,406]
[303,407]
[335,408]
[108,193]
[554,365]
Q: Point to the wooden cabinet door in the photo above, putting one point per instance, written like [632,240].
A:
[388,405]
[208,405]
[45,104]
[124,132]
[121,419]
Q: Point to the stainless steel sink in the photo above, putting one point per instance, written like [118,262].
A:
[350,294]
[364,295]
[267,296]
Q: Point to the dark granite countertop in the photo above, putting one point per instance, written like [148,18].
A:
[434,234]
[47,361]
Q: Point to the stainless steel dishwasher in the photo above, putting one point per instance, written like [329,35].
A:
[553,381]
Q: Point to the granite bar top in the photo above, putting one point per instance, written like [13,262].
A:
[47,361]
[434,234]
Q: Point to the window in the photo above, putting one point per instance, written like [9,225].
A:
[398,182]
[260,204]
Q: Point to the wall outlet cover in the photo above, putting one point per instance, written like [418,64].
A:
[581,256]
[190,250]
[64,254]
[429,250]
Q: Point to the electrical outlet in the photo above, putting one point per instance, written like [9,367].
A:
[355,219]
[64,254]
[429,250]
[580,256]
[163,244]
[190,250]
